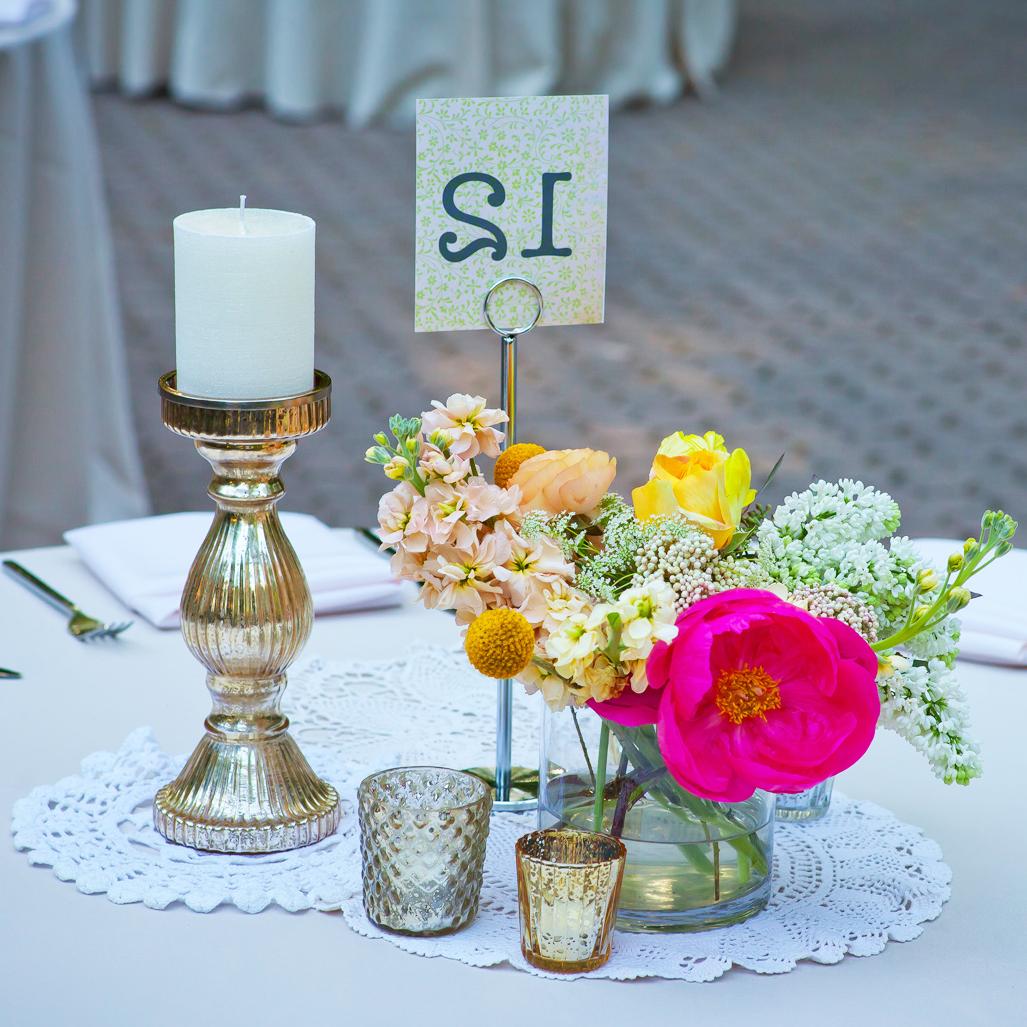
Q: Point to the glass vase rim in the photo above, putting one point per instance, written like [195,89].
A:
[483,792]
[767,803]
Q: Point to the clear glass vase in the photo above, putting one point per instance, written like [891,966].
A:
[811,804]
[692,864]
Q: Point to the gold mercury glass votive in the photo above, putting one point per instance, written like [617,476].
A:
[422,844]
[568,884]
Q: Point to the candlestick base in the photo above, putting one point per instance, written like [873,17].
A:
[246,613]
[237,796]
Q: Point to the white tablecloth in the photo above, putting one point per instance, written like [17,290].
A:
[67,445]
[371,58]
[70,958]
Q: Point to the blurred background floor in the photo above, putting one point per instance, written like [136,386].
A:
[828,259]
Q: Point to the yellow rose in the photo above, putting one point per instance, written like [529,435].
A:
[565,479]
[696,475]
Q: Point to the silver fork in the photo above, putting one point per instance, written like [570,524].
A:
[84,628]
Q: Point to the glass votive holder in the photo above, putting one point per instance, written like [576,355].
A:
[568,883]
[422,844]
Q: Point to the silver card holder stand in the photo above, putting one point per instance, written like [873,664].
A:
[507,796]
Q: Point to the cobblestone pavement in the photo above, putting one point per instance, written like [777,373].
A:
[828,259]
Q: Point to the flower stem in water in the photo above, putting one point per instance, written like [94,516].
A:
[600,777]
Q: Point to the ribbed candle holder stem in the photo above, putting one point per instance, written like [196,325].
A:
[246,614]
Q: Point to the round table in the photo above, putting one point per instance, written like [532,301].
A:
[71,958]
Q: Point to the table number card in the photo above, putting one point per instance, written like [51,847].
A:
[510,186]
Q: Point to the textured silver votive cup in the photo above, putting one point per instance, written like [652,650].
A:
[422,844]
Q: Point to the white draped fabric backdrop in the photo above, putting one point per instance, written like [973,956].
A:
[369,59]
[67,444]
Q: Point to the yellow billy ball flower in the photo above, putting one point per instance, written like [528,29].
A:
[511,459]
[499,643]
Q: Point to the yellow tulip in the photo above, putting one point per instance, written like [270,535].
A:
[698,476]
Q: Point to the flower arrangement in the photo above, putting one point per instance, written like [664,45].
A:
[729,645]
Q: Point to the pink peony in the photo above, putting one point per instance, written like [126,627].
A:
[755,693]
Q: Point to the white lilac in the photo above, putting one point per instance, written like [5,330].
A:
[830,534]
[940,642]
[923,703]
[845,511]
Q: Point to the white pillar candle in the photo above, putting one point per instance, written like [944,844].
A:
[244,303]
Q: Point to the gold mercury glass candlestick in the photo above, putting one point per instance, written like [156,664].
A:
[246,614]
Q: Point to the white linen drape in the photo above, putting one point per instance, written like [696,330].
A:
[369,59]
[67,447]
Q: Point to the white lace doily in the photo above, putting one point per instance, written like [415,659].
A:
[847,884]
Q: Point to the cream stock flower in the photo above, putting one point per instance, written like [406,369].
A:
[573,646]
[562,602]
[647,616]
[467,424]
[600,680]
[565,479]
[556,691]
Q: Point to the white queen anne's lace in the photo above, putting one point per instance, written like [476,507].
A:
[847,884]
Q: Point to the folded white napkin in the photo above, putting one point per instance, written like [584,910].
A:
[145,562]
[995,623]
[18,12]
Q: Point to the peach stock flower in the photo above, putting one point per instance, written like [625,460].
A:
[403,516]
[463,579]
[697,476]
[529,572]
[446,521]
[434,463]
[487,502]
[565,479]
[467,424]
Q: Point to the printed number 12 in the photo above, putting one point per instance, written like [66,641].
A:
[496,198]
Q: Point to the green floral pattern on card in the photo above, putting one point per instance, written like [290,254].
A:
[514,141]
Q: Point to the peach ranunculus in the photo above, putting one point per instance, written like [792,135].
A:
[697,476]
[565,479]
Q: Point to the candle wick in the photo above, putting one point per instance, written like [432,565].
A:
[242,213]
